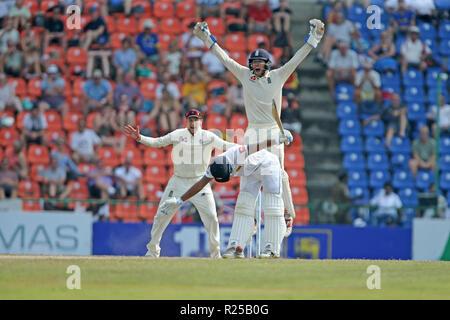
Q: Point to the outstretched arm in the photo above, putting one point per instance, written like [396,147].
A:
[133,133]
[287,139]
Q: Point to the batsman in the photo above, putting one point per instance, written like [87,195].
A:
[260,86]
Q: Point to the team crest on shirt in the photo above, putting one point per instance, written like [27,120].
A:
[253,78]
[184,139]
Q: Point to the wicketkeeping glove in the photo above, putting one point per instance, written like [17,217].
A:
[317,29]
[202,32]
[287,138]
[171,205]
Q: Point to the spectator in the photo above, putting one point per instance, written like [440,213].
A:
[125,114]
[54,29]
[259,17]
[387,207]
[212,65]
[282,17]
[207,8]
[291,117]
[171,86]
[96,31]
[144,69]
[19,14]
[65,162]
[402,19]
[31,62]
[129,88]
[9,181]
[424,10]
[28,38]
[235,98]
[342,198]
[395,118]
[167,112]
[444,117]
[124,59]
[194,91]
[423,151]
[340,31]
[96,93]
[119,6]
[192,46]
[384,49]
[100,182]
[342,66]
[172,59]
[11,62]
[8,99]
[232,8]
[54,181]
[106,124]
[34,127]
[17,160]
[53,86]
[148,43]
[442,205]
[8,33]
[414,51]
[129,180]
[84,143]
[367,83]
[336,6]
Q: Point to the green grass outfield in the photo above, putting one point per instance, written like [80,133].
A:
[105,277]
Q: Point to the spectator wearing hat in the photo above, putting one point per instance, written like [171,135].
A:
[124,59]
[34,127]
[367,83]
[8,98]
[414,51]
[19,14]
[147,43]
[387,207]
[9,180]
[53,91]
[96,92]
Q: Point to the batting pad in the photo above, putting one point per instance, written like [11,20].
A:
[272,205]
[274,230]
[241,231]
[287,194]
[245,204]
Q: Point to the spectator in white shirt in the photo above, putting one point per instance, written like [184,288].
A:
[84,143]
[34,127]
[414,51]
[8,98]
[342,66]
[129,180]
[212,65]
[424,9]
[388,206]
[367,83]
[8,33]
[444,117]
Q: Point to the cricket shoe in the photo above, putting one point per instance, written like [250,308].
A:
[268,254]
[234,253]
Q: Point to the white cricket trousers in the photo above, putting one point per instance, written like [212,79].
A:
[203,202]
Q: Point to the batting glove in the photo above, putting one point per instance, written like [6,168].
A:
[286,138]
[202,32]
[171,205]
[289,221]
[317,29]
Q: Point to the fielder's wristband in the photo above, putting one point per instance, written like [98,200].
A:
[210,41]
[311,41]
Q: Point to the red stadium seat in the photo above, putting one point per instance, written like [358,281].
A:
[301,216]
[116,40]
[148,88]
[109,156]
[155,157]
[34,87]
[19,119]
[299,195]
[297,144]
[32,5]
[53,118]
[294,160]
[255,39]
[77,88]
[127,25]
[231,9]
[170,26]
[156,174]
[8,136]
[216,121]
[75,104]
[236,42]
[79,191]
[36,171]
[219,87]
[296,177]
[238,121]
[54,135]
[185,24]
[185,9]
[216,25]
[145,4]
[85,167]
[240,57]
[70,121]
[90,119]
[152,191]
[163,9]
[111,24]
[19,85]
[29,189]
[135,154]
[164,41]
[77,55]
[38,154]
[148,211]
[236,24]
[126,211]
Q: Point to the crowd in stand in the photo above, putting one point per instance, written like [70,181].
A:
[65,93]
[383,77]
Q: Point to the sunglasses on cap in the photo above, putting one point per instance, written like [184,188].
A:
[193,113]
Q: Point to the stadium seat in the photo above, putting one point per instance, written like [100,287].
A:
[409,197]
[34,87]
[152,191]
[238,121]
[413,77]
[444,145]
[36,171]
[126,211]
[299,195]
[216,121]
[444,162]
[390,79]
[77,55]
[236,42]
[399,144]
[297,144]
[414,94]
[37,154]
[403,179]
[48,5]
[424,179]
[134,153]
[297,177]
[148,88]
[351,143]
[386,65]
[400,160]
[347,110]
[145,5]
[127,25]
[374,128]
[357,13]
[378,178]
[353,161]
[147,211]
[70,121]
[357,179]
[416,111]
[431,78]
[255,39]
[432,95]
[444,47]
[432,44]
[29,189]
[164,40]
[20,86]
[109,156]
[32,5]
[240,57]
[155,157]
[163,9]
[217,26]
[156,174]
[375,144]
[79,191]
[344,92]
[171,26]
[355,192]
[362,29]
[444,30]
[377,161]
[53,118]
[294,160]
[349,127]
[444,180]
[427,30]
[185,9]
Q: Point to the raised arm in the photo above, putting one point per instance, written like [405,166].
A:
[133,133]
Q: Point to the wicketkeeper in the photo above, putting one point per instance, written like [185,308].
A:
[191,155]
[257,168]
[260,86]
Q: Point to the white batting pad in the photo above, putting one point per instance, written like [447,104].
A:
[241,231]
[245,204]
[272,205]
[287,194]
[274,231]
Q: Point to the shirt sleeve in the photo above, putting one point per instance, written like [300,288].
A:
[286,70]
[157,142]
[219,143]
[208,174]
[239,71]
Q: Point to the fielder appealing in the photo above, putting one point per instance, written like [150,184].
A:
[260,86]
[257,168]
[191,155]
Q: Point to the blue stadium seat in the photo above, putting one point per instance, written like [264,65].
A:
[357,191]
[432,44]
[444,180]
[414,94]
[400,160]
[444,162]
[375,144]
[347,110]
[357,179]
[391,89]
[344,92]
[431,78]
[362,28]
[444,30]
[386,64]
[349,127]
[399,144]
[442,4]
[357,13]
[403,179]
[413,77]
[391,79]
[415,111]
[374,128]
[351,143]
[432,95]
[398,43]
[375,33]
[424,179]
[444,47]
[354,160]
[444,145]
[377,161]
[427,30]
[409,197]
[378,178]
